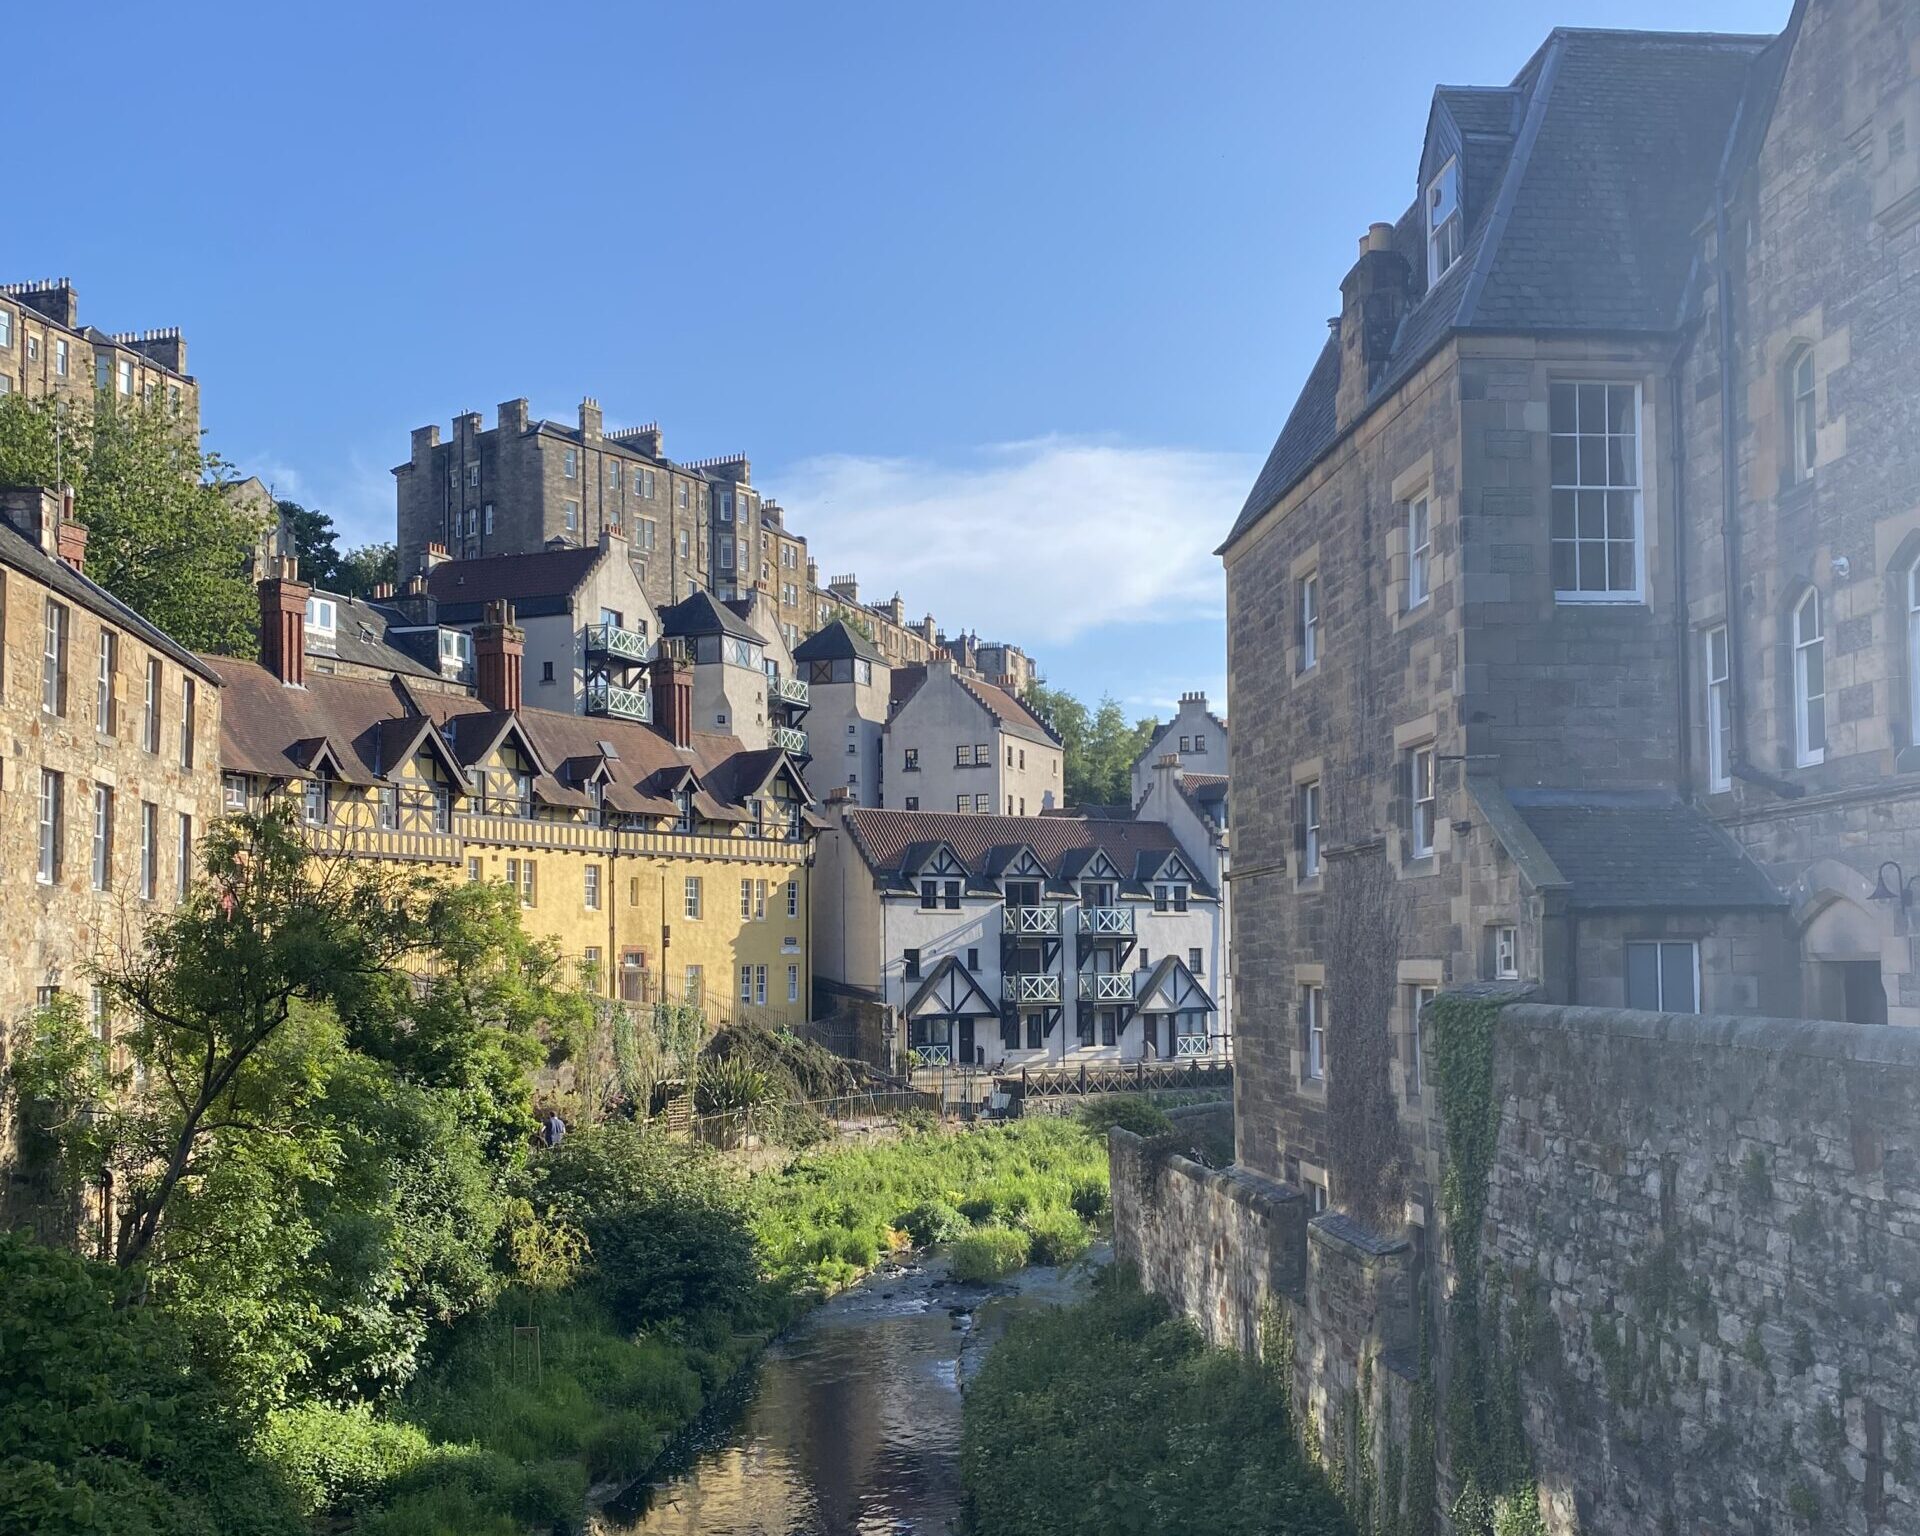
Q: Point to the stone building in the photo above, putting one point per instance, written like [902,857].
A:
[955,742]
[1003,942]
[45,350]
[1195,735]
[668,860]
[108,765]
[903,643]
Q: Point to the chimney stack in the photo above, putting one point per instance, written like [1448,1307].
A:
[673,698]
[498,648]
[1373,298]
[511,416]
[591,420]
[433,555]
[283,621]
[71,541]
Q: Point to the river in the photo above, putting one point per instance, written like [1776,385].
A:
[851,1426]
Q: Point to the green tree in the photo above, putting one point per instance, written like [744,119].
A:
[1099,745]
[315,543]
[164,537]
[362,569]
[861,624]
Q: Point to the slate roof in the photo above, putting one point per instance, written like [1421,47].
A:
[699,614]
[1626,850]
[1015,716]
[26,557]
[523,580]
[1580,219]
[838,641]
[893,843]
[360,638]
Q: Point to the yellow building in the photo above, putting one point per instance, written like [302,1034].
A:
[668,862]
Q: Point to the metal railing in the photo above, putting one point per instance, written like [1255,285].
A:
[605,698]
[787,739]
[1106,986]
[788,690]
[1099,921]
[1018,988]
[612,640]
[1036,922]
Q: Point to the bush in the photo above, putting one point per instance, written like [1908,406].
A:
[1089,1200]
[931,1222]
[1056,1236]
[336,1459]
[658,1261]
[1129,1112]
[727,1084]
[988,1253]
[1112,1416]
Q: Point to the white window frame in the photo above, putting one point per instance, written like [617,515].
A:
[1802,419]
[1444,222]
[1506,952]
[793,983]
[1585,496]
[691,898]
[1718,674]
[52,792]
[1913,652]
[1310,829]
[106,703]
[1809,653]
[1423,797]
[57,634]
[183,852]
[1307,594]
[323,615]
[1314,1000]
[102,836]
[590,892]
[1419,550]
[149,849]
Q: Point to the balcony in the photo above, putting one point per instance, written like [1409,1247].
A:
[1031,922]
[1192,1045]
[787,739]
[1030,989]
[612,640]
[939,1055]
[605,698]
[1107,922]
[788,690]
[1105,986]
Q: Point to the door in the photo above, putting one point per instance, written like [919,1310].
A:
[964,1056]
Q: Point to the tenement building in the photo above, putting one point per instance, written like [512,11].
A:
[1002,942]
[46,352]
[666,860]
[1195,736]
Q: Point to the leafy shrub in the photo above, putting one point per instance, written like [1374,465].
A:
[659,1261]
[1129,1112]
[1056,1236]
[978,1209]
[1089,1200]
[987,1253]
[933,1221]
[603,1168]
[1204,1447]
[336,1459]
[730,1083]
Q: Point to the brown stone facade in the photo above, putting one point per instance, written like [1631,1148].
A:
[45,350]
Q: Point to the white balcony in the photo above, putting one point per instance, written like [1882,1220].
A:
[1030,989]
[605,698]
[1192,1045]
[1032,922]
[788,690]
[787,739]
[1106,986]
[612,640]
[940,1055]
[1107,922]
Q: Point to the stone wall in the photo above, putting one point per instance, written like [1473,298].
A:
[1702,1245]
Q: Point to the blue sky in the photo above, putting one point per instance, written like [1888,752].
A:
[1005,301]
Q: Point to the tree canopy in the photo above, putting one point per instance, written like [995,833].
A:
[164,536]
[316,544]
[1100,746]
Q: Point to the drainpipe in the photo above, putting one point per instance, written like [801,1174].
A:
[1682,636]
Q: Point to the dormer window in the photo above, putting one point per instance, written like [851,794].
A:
[456,652]
[1443,221]
[322,615]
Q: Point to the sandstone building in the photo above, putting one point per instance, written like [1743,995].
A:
[46,351]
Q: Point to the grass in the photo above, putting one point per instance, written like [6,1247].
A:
[1113,1416]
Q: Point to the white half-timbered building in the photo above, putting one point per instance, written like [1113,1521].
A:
[1002,942]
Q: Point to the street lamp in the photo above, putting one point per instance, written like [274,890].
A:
[1902,888]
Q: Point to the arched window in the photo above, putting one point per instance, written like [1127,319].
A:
[1913,652]
[1809,682]
[1800,418]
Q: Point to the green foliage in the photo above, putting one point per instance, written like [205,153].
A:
[1098,745]
[1128,1111]
[338,1459]
[165,537]
[1090,1201]
[988,1253]
[367,566]
[106,1424]
[316,545]
[1056,1237]
[861,624]
[933,1221]
[730,1084]
[1113,1417]
[660,1261]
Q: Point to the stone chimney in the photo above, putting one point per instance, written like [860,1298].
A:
[34,511]
[1373,298]
[591,420]
[897,610]
[56,299]
[649,441]
[432,556]
[673,698]
[498,648]
[416,605]
[283,621]
[512,415]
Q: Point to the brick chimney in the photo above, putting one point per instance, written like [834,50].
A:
[1373,298]
[283,621]
[673,699]
[71,541]
[498,648]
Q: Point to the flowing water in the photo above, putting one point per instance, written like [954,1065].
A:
[852,1424]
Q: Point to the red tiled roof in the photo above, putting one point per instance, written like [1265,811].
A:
[883,837]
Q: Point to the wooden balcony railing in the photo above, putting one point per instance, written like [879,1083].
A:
[612,640]
[1033,922]
[605,698]
[1105,986]
[1101,922]
[1028,988]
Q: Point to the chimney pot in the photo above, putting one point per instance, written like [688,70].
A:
[283,621]
[499,646]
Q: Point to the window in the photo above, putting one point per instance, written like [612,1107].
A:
[793,898]
[1313,1026]
[950,895]
[913,802]
[573,516]
[613,473]
[1506,952]
[150,720]
[473,871]
[590,966]
[323,614]
[1186,743]
[1800,417]
[696,983]
[759,901]
[126,376]
[149,849]
[793,983]
[1913,652]
[570,463]
[1195,962]
[183,857]
[527,892]
[929,895]
[6,327]
[33,349]
[1419,551]
[963,803]
[1417,999]
[51,794]
[1310,829]
[746,983]
[1719,723]
[486,518]
[746,899]
[1664,976]
[53,659]
[102,836]
[1199,745]
[1307,639]
[982,804]
[61,355]
[1424,804]
[102,371]
[189,696]
[910,964]
[760,985]
[911,763]
[1443,221]
[592,893]
[1595,440]
[693,896]
[106,704]
[316,809]
[1809,683]
[234,797]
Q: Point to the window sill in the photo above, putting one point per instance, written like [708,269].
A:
[1592,601]
[1314,1086]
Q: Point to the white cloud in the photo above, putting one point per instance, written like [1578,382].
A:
[1037,542]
